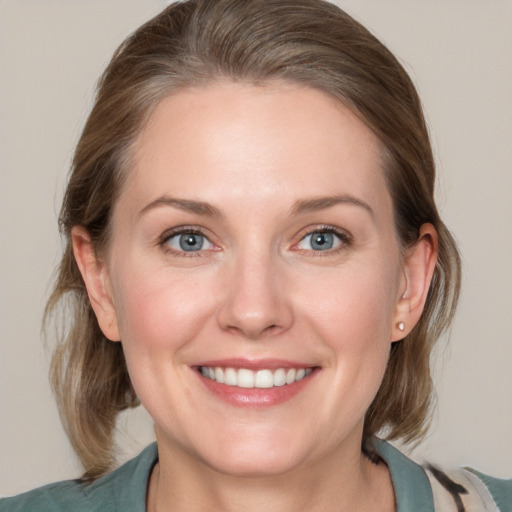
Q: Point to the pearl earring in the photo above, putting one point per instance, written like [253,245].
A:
[401,326]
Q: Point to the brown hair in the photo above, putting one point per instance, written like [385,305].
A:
[310,42]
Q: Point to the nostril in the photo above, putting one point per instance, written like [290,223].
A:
[254,331]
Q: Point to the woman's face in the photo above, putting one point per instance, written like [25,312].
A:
[254,243]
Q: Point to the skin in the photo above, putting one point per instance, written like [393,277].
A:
[257,156]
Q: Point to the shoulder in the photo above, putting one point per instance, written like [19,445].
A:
[124,489]
[497,489]
[428,488]
[55,497]
[469,491]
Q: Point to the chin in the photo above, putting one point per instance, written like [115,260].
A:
[254,464]
[252,453]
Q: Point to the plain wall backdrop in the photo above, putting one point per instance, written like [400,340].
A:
[459,53]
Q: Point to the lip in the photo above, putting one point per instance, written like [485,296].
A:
[255,397]
[255,364]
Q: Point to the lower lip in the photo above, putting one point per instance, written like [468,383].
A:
[256,397]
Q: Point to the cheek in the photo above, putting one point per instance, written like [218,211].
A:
[353,306]
[352,314]
[160,308]
[160,312]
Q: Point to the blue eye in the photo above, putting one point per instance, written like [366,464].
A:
[320,241]
[188,242]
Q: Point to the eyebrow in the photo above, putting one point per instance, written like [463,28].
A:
[198,207]
[321,203]
[300,207]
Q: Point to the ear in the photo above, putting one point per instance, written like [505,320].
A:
[418,269]
[97,281]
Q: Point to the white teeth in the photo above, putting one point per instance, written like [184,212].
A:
[219,375]
[230,377]
[279,377]
[264,379]
[245,378]
[290,375]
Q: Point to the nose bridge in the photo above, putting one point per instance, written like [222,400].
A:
[256,303]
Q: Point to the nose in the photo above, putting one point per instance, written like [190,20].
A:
[255,301]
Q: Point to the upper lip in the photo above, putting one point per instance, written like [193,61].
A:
[255,364]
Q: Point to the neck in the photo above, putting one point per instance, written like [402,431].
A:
[181,483]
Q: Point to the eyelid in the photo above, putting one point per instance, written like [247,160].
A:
[183,230]
[344,237]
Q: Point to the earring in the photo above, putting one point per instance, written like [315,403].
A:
[401,326]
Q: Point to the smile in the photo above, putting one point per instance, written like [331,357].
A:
[248,379]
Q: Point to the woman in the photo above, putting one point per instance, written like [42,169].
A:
[254,253]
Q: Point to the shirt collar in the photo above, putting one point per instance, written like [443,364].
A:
[411,484]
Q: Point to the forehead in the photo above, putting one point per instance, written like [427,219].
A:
[232,141]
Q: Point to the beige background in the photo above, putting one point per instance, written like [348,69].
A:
[459,53]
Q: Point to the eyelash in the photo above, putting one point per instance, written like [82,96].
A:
[184,230]
[344,238]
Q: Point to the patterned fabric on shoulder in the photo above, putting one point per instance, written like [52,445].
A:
[467,490]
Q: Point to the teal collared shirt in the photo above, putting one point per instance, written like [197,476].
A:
[124,490]
[412,487]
